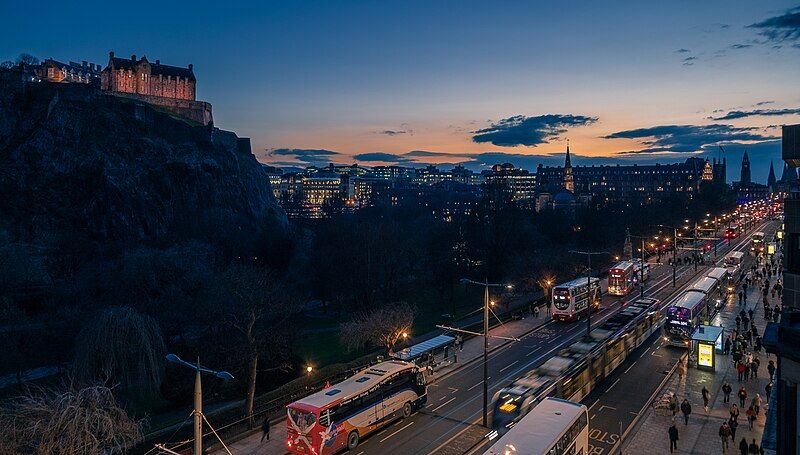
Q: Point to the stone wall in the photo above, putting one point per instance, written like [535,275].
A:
[198,111]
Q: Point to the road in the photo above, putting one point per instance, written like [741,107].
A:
[448,424]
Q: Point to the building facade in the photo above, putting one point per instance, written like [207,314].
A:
[82,73]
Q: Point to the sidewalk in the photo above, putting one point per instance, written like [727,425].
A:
[701,436]
[472,351]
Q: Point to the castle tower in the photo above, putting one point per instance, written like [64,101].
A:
[771,178]
[627,248]
[745,177]
[569,179]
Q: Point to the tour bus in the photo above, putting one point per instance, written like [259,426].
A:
[711,288]
[339,416]
[571,300]
[724,280]
[624,276]
[567,374]
[684,315]
[555,427]
[733,261]
[757,246]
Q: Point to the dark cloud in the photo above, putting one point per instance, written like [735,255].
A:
[686,138]
[529,131]
[314,157]
[682,51]
[741,46]
[404,129]
[764,103]
[780,28]
[382,157]
[757,112]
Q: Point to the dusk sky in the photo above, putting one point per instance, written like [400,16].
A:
[460,82]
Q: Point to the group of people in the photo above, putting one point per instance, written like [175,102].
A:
[744,344]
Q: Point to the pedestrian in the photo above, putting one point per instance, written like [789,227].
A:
[746,371]
[265,429]
[768,389]
[706,397]
[686,409]
[742,396]
[724,434]
[681,371]
[741,300]
[753,448]
[771,369]
[738,323]
[757,346]
[727,348]
[733,425]
[757,404]
[673,438]
[754,369]
[743,447]
[726,390]
[673,404]
[745,322]
[751,416]
[750,314]
[740,369]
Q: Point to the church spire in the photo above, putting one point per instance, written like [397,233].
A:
[745,174]
[567,162]
[771,177]
[569,179]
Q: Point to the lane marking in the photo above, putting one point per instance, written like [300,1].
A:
[612,385]
[508,366]
[593,416]
[634,363]
[398,431]
[443,404]
[593,404]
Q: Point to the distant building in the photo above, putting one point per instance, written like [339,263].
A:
[771,177]
[745,173]
[521,183]
[746,189]
[83,73]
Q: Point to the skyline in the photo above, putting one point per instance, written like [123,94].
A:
[476,85]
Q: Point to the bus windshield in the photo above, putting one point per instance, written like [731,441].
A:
[561,298]
[303,420]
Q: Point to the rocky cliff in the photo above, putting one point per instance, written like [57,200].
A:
[78,167]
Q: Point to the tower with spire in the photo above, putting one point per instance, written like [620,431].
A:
[569,179]
[745,177]
[771,177]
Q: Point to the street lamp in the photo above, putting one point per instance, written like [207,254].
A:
[198,396]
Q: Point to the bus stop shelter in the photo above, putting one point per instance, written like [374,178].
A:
[706,343]
[436,352]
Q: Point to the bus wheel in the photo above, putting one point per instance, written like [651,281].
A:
[352,440]
[406,410]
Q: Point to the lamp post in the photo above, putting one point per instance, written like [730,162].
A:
[589,285]
[674,250]
[198,396]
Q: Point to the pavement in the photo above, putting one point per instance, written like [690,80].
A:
[701,435]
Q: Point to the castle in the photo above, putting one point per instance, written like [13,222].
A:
[172,88]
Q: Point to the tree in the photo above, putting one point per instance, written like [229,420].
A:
[121,346]
[7,64]
[56,422]
[27,59]
[381,327]
[256,308]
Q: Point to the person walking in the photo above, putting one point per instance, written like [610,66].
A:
[771,369]
[536,312]
[742,396]
[733,425]
[673,404]
[741,300]
[724,434]
[726,391]
[751,416]
[757,401]
[753,448]
[743,447]
[754,369]
[673,438]
[740,369]
[686,409]
[706,398]
[768,389]
[265,429]
[727,349]
[747,370]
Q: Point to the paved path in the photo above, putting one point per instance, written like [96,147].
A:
[701,435]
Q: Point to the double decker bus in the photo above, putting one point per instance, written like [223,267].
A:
[576,298]
[555,427]
[621,278]
[757,244]
[339,416]
[684,315]
[577,369]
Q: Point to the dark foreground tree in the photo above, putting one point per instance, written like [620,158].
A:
[66,422]
[381,327]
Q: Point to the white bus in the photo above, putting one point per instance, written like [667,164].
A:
[338,416]
[684,315]
[554,427]
[574,299]
[757,245]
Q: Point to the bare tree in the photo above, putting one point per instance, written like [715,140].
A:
[121,346]
[381,327]
[66,422]
[27,59]
[7,64]
[257,308]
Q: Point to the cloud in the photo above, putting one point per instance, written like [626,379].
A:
[764,103]
[757,112]
[682,51]
[529,131]
[741,46]
[315,157]
[686,138]
[404,129]
[780,28]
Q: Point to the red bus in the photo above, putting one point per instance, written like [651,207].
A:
[623,276]
[339,416]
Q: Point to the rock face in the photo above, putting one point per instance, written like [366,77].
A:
[80,166]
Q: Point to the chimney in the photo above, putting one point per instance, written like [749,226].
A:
[158,62]
[191,67]
[111,54]
[133,57]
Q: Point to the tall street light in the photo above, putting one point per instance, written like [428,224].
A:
[674,249]
[486,303]
[589,286]
[198,396]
